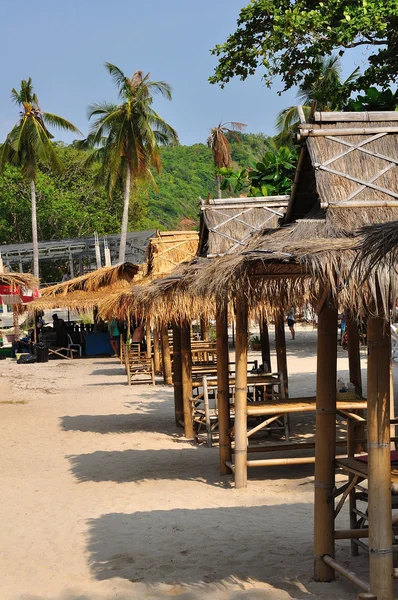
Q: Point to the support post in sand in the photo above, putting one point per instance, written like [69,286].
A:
[379,465]
[186,369]
[281,359]
[156,350]
[325,439]
[148,338]
[223,388]
[241,393]
[164,335]
[265,347]
[354,365]
[177,376]
[204,329]
[354,355]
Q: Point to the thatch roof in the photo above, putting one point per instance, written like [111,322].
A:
[25,280]
[94,281]
[227,224]
[167,249]
[379,247]
[343,182]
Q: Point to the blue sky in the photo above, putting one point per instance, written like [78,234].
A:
[63,45]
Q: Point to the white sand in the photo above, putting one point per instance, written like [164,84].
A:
[102,499]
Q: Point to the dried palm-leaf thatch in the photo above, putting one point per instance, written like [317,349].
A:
[96,280]
[26,280]
[347,181]
[168,249]
[379,247]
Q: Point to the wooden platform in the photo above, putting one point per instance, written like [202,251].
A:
[360,468]
[298,405]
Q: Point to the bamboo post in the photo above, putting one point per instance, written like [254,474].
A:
[281,359]
[325,440]
[186,370]
[148,338]
[156,350]
[241,393]
[379,480]
[164,335]
[265,347]
[204,329]
[223,388]
[177,376]
[207,412]
[354,362]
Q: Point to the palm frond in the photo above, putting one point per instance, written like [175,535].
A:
[60,122]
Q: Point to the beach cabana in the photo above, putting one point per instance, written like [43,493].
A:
[347,178]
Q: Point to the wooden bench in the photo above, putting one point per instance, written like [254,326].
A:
[137,364]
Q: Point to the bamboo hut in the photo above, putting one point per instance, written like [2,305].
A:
[168,249]
[347,178]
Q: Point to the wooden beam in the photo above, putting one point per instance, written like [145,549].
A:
[167,374]
[379,481]
[241,393]
[186,369]
[366,117]
[346,131]
[325,440]
[177,376]
[156,350]
[265,346]
[223,388]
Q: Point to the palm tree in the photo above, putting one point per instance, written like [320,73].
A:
[126,136]
[221,149]
[325,86]
[29,143]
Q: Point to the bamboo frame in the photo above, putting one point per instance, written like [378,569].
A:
[177,376]
[156,351]
[186,370]
[281,359]
[241,393]
[223,388]
[379,481]
[148,338]
[325,440]
[167,373]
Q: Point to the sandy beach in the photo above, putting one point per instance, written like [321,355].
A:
[103,499]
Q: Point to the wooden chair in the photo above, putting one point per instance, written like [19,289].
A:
[137,364]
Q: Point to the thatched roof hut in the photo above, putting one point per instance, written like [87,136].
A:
[167,249]
[25,280]
[347,178]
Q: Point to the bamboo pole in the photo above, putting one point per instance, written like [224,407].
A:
[177,376]
[335,566]
[241,393]
[164,336]
[148,338]
[204,329]
[379,481]
[186,370]
[281,359]
[223,388]
[354,362]
[325,440]
[265,347]
[156,350]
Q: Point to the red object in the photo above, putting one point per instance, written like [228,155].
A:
[17,295]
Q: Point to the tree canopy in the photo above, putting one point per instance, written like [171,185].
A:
[286,37]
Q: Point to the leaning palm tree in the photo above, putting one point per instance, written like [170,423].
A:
[29,144]
[325,86]
[126,137]
[221,149]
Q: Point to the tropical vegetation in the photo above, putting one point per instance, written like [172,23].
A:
[126,137]
[29,144]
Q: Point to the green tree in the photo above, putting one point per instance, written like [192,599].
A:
[127,136]
[285,38]
[219,144]
[29,143]
[273,174]
[325,87]
[374,99]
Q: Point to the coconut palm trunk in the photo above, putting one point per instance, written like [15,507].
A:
[218,181]
[125,218]
[34,229]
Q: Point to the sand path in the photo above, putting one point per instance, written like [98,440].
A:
[102,499]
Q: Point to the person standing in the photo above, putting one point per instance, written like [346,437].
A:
[114,334]
[291,322]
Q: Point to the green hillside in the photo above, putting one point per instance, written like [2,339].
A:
[72,205]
